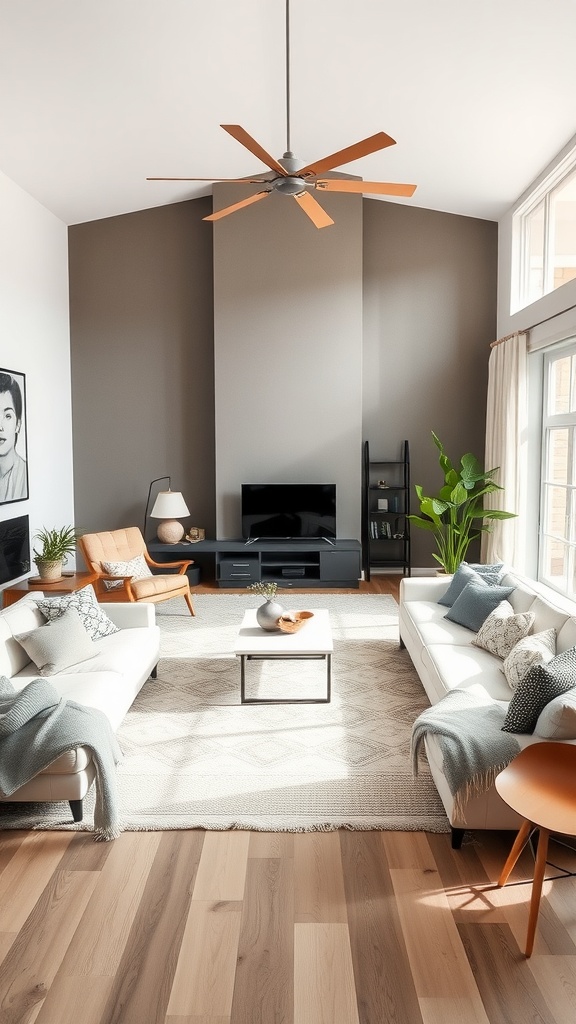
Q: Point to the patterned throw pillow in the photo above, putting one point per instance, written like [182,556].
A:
[538,687]
[537,649]
[137,567]
[475,603]
[95,620]
[58,645]
[502,630]
[558,719]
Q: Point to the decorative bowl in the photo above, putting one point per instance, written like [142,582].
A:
[291,622]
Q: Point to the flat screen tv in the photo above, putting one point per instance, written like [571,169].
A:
[288,511]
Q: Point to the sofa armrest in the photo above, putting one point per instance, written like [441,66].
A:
[423,588]
[130,615]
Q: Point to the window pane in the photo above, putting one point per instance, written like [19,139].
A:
[563,220]
[560,386]
[557,468]
[556,507]
[555,562]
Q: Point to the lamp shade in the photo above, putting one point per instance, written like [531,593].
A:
[169,505]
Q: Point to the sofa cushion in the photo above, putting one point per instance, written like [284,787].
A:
[538,687]
[94,618]
[59,644]
[475,603]
[557,721]
[537,649]
[502,630]
[461,667]
[137,568]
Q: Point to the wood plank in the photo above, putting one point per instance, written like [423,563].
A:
[70,1001]
[27,874]
[318,882]
[171,1019]
[438,962]
[271,844]
[324,991]
[384,984]
[10,841]
[504,979]
[141,988]
[264,989]
[33,960]
[556,980]
[467,887]
[102,934]
[204,979]
[6,940]
[222,868]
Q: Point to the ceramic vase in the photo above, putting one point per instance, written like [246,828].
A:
[267,615]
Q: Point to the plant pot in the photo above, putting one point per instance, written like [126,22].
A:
[48,570]
[267,615]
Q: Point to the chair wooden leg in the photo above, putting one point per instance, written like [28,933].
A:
[188,599]
[541,855]
[518,846]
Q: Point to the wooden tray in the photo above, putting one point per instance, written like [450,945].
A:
[291,622]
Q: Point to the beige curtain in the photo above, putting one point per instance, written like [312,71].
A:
[506,447]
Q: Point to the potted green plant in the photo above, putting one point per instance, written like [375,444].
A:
[456,515]
[54,547]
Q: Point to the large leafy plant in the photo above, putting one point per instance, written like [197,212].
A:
[456,515]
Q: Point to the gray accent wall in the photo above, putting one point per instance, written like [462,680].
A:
[377,327]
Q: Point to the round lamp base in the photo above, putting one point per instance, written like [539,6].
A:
[170,531]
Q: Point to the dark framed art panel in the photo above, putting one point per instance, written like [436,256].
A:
[13,437]
[14,548]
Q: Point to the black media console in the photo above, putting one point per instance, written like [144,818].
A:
[290,563]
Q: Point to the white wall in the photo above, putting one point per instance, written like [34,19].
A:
[35,340]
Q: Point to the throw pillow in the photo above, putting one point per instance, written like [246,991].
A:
[493,572]
[57,645]
[463,575]
[137,567]
[537,649]
[502,630]
[558,719]
[538,687]
[475,603]
[94,619]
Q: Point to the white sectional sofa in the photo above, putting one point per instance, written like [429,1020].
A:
[108,681]
[445,658]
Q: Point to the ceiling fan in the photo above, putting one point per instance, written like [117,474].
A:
[292,177]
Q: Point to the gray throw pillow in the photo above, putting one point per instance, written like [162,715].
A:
[94,619]
[475,603]
[493,572]
[463,575]
[58,645]
[538,687]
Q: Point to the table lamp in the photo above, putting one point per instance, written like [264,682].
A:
[169,505]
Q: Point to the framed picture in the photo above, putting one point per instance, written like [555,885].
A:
[13,442]
[14,548]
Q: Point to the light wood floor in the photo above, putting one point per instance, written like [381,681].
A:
[272,928]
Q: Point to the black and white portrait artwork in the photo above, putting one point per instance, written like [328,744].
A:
[13,446]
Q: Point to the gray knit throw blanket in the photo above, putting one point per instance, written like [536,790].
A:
[37,726]
[468,728]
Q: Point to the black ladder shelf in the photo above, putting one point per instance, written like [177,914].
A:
[385,511]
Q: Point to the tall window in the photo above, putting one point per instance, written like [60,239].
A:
[544,231]
[558,494]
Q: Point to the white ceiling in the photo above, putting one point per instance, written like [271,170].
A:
[96,95]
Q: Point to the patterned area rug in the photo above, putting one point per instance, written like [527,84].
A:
[194,757]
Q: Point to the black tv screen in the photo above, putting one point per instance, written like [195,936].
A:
[288,511]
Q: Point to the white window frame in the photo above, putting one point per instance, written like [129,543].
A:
[567,584]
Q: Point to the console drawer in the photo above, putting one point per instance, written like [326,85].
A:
[242,568]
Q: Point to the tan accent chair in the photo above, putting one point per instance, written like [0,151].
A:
[121,546]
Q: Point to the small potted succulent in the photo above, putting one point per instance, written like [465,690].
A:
[54,546]
[267,614]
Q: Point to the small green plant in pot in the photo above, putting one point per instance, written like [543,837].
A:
[54,546]
[456,515]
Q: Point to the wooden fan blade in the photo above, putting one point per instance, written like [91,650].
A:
[241,136]
[244,181]
[237,206]
[384,188]
[312,208]
[345,156]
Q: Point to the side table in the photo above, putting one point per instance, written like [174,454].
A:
[70,582]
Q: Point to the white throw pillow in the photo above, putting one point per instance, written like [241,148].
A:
[557,721]
[502,630]
[137,568]
[536,649]
[93,617]
[57,645]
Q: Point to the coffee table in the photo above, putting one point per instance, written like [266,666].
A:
[312,642]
